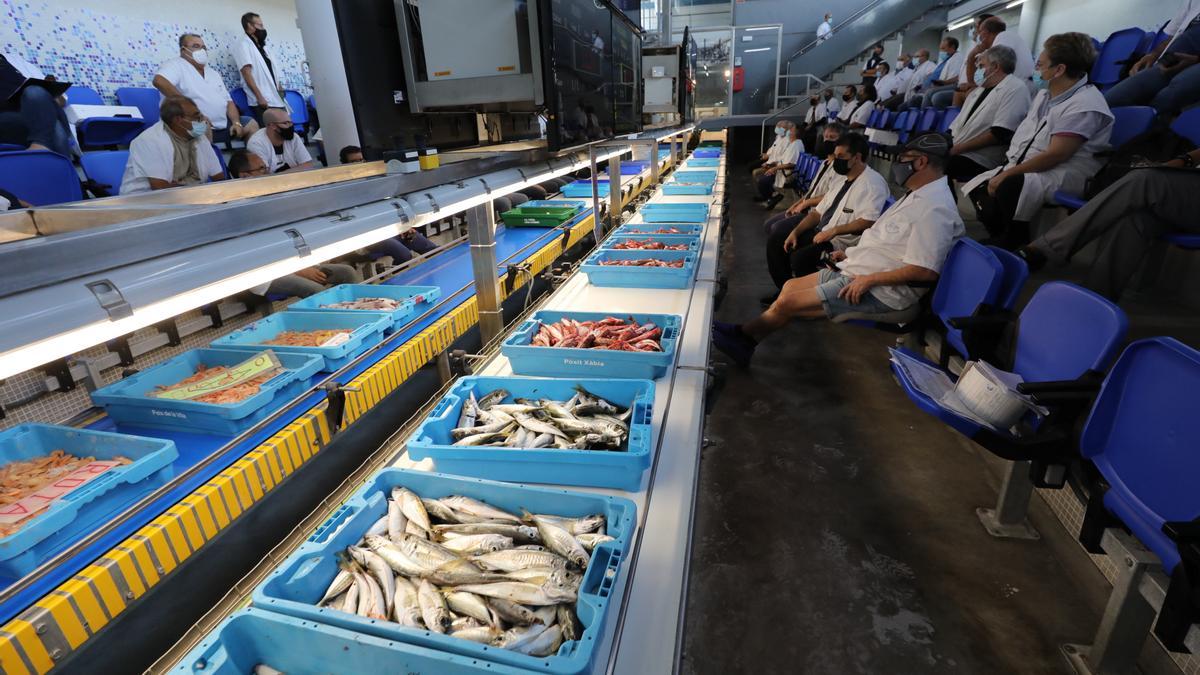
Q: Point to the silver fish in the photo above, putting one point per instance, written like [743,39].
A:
[411,505]
[489,401]
[517,559]
[379,527]
[514,408]
[521,593]
[474,544]
[482,439]
[341,582]
[469,412]
[411,528]
[576,526]
[542,441]
[462,623]
[493,428]
[516,638]
[511,611]
[546,615]
[460,571]
[481,634]
[545,644]
[477,508]
[440,511]
[371,602]
[537,426]
[518,533]
[468,604]
[380,571]
[397,523]
[350,599]
[591,540]
[397,559]
[405,607]
[427,553]
[562,542]
[433,607]
[537,575]
[532,547]
[568,622]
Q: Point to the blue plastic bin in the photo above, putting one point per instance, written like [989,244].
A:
[653,228]
[640,277]
[571,362]
[676,188]
[633,168]
[85,508]
[674,213]
[707,153]
[579,204]
[692,241]
[367,331]
[250,637]
[704,162]
[684,176]
[620,469]
[302,579]
[413,298]
[127,401]
[583,188]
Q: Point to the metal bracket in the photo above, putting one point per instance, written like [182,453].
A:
[61,371]
[335,409]
[486,187]
[566,236]
[433,202]
[524,178]
[342,216]
[1008,520]
[120,347]
[110,299]
[172,330]
[404,211]
[213,312]
[298,241]
[92,380]
[460,362]
[510,277]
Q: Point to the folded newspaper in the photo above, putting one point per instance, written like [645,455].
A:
[983,393]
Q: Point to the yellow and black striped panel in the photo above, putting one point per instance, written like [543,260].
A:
[69,615]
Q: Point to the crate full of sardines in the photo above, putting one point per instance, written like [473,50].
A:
[587,432]
[571,344]
[501,573]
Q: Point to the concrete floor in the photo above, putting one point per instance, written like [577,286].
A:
[835,528]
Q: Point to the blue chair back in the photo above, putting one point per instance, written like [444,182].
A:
[299,109]
[928,119]
[221,159]
[83,95]
[106,167]
[1016,272]
[10,147]
[1066,331]
[1118,47]
[887,203]
[910,123]
[899,120]
[885,116]
[240,100]
[145,99]
[1129,122]
[1143,435]
[873,119]
[971,276]
[1187,125]
[40,177]
[948,116]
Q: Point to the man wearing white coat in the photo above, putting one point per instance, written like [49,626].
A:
[258,72]
[920,73]
[1054,148]
[989,117]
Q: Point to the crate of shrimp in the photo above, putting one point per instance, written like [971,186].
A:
[336,337]
[640,269]
[267,643]
[652,242]
[586,432]
[217,391]
[658,228]
[400,302]
[504,574]
[61,483]
[573,344]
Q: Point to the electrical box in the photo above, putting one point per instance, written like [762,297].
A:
[660,68]
[470,38]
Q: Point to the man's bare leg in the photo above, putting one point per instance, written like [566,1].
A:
[797,300]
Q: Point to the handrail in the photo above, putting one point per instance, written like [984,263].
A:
[809,77]
[852,17]
[762,132]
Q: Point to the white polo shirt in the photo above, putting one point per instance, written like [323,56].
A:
[864,199]
[918,230]
[207,91]
[245,53]
[862,113]
[152,155]
[294,152]
[887,85]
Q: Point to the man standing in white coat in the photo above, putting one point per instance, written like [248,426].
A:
[1054,148]
[258,72]
[990,115]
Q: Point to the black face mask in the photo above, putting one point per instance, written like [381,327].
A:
[287,133]
[825,148]
[260,34]
[901,172]
[812,101]
[841,166]
[847,97]
[828,97]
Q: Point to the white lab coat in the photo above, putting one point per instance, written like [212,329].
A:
[1013,40]
[848,110]
[815,113]
[245,53]
[826,177]
[864,200]
[152,155]
[790,154]
[1079,111]
[294,152]
[824,31]
[902,74]
[918,77]
[833,105]
[862,113]
[776,146]
[888,85]
[918,230]
[954,66]
[1005,107]
[207,91]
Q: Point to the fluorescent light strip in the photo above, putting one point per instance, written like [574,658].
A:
[763,28]
[965,22]
[758,49]
[1015,3]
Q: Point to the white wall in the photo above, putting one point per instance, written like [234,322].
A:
[120,43]
[1098,18]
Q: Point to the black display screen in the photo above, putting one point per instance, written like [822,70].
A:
[579,69]
[627,63]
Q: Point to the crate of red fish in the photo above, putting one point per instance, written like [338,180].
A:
[654,242]
[401,302]
[336,337]
[592,343]
[658,228]
[136,399]
[60,483]
[640,269]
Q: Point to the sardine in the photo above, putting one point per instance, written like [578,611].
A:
[493,428]
[511,560]
[380,571]
[468,604]
[406,608]
[397,523]
[482,634]
[511,611]
[520,636]
[545,644]
[477,508]
[475,544]
[522,593]
[411,505]
[562,542]
[591,540]
[342,581]
[576,526]
[433,607]
[568,622]
[482,439]
[487,402]
[523,534]
[397,559]
[537,426]
[426,553]
[461,571]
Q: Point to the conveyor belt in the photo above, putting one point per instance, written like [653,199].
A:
[49,618]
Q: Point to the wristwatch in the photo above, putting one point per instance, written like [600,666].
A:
[1188,162]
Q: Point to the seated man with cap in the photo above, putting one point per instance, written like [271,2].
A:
[908,243]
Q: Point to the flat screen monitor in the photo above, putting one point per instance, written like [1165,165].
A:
[627,65]
[578,70]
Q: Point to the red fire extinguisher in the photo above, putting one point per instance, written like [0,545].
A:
[739,78]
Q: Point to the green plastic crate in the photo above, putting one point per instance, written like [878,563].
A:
[538,216]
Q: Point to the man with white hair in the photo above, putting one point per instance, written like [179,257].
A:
[990,115]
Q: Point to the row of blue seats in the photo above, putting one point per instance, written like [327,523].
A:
[1136,406]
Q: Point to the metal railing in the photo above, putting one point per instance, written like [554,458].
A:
[850,19]
[811,82]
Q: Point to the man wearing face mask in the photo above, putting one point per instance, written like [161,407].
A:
[920,74]
[990,115]
[825,30]
[850,203]
[771,156]
[256,67]
[938,89]
[908,243]
[173,152]
[1054,147]
[888,82]
[833,104]
[871,67]
[775,176]
[190,76]
[849,103]
[278,145]
[994,32]
[864,105]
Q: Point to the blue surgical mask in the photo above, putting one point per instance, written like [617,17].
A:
[979,77]
[780,131]
[198,129]
[1038,82]
[942,56]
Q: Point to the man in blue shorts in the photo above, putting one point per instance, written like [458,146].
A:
[908,243]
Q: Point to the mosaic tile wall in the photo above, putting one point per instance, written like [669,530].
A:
[121,43]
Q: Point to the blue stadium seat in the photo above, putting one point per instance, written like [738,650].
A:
[1188,241]
[927,120]
[1187,125]
[221,159]
[873,119]
[10,147]
[40,177]
[100,132]
[1069,200]
[1016,272]
[241,101]
[910,123]
[948,116]
[1111,57]
[145,99]
[106,167]
[83,95]
[298,110]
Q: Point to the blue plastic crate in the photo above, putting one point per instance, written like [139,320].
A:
[692,241]
[571,362]
[127,401]
[367,331]
[250,637]
[82,510]
[695,176]
[413,299]
[707,153]
[674,213]
[633,168]
[654,228]
[302,579]
[676,188]
[620,469]
[579,204]
[640,277]
[704,162]
[583,188]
